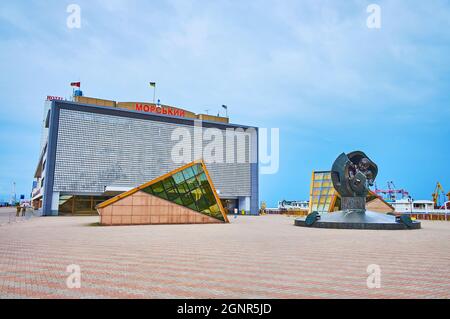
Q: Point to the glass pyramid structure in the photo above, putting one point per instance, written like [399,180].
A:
[189,186]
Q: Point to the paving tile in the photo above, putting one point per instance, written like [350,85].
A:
[253,257]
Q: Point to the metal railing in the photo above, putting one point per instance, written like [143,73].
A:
[429,215]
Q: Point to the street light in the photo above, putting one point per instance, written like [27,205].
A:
[411,206]
[226,110]
[445,207]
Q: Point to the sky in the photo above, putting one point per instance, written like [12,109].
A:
[311,68]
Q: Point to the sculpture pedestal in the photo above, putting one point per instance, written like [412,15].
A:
[358,219]
[353,203]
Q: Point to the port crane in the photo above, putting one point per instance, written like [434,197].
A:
[391,192]
[438,194]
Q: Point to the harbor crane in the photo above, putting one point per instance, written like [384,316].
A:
[392,192]
[438,195]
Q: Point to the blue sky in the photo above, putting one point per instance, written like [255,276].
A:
[311,68]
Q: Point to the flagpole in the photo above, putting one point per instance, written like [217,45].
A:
[153,84]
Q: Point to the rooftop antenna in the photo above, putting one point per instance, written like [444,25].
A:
[207,111]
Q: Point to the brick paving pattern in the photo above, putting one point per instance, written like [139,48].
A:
[8,215]
[253,257]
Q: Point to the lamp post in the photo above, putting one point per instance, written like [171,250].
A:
[410,206]
[13,194]
[226,110]
[446,211]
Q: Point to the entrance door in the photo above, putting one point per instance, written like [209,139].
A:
[229,205]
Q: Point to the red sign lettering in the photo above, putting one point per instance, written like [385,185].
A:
[160,110]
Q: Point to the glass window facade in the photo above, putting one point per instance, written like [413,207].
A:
[80,205]
[190,188]
[324,198]
[323,194]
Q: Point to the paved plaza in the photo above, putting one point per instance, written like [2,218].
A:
[9,215]
[253,257]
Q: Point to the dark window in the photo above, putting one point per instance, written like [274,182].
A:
[183,188]
[192,183]
[158,188]
[187,199]
[202,204]
[172,194]
[168,183]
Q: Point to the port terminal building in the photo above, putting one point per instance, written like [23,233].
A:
[94,149]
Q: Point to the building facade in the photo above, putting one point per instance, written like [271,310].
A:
[95,149]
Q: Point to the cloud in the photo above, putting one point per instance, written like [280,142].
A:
[290,64]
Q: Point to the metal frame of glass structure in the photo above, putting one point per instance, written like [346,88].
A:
[189,186]
[322,193]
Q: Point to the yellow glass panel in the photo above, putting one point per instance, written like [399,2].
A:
[197,193]
[318,176]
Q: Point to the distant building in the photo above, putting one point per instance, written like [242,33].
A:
[293,204]
[409,206]
[3,203]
